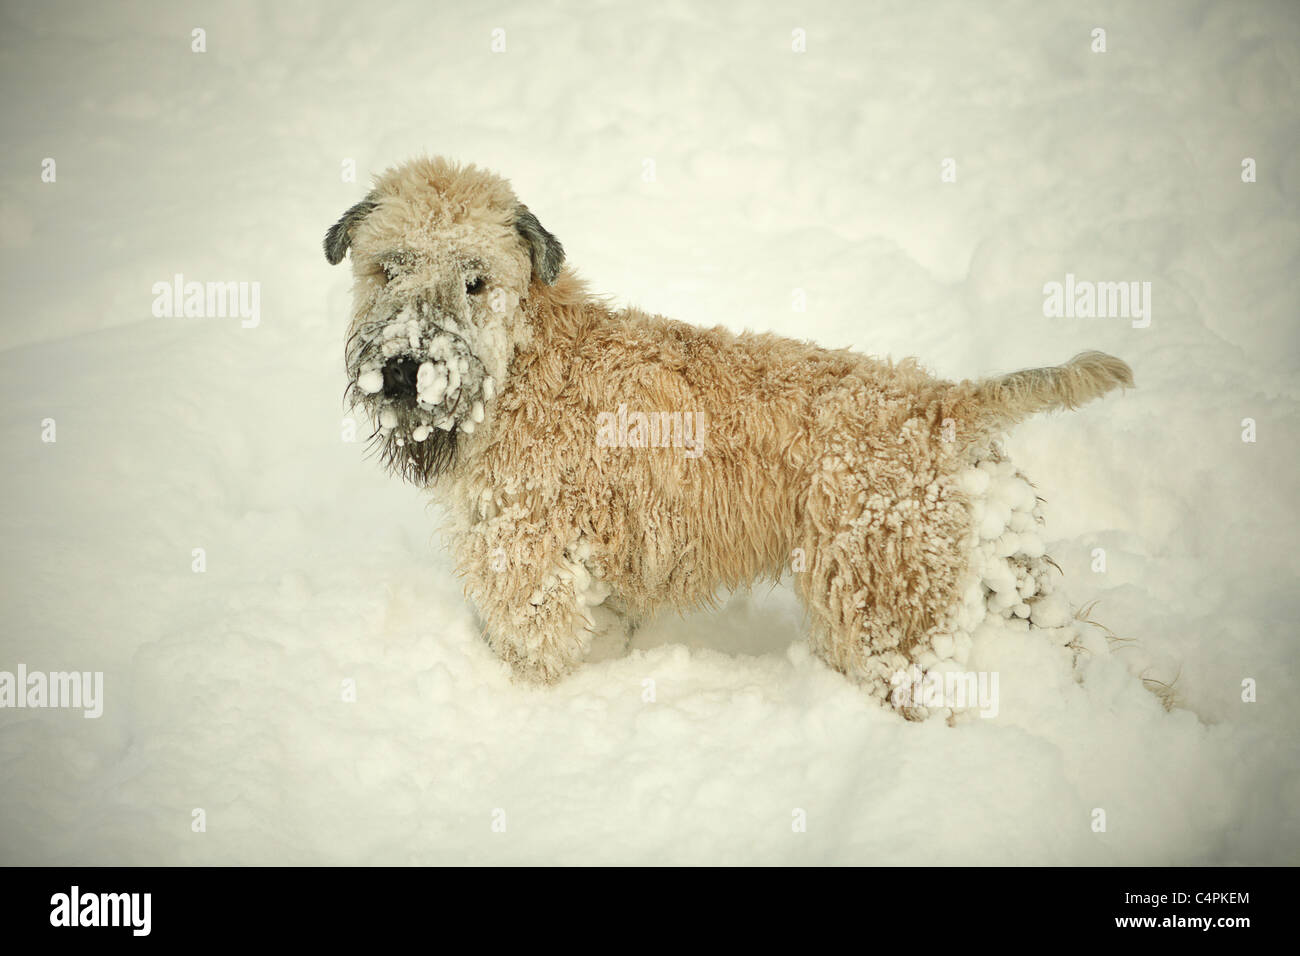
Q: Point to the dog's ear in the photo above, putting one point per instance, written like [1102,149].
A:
[543,248]
[339,236]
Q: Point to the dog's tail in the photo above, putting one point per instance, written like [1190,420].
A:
[1012,398]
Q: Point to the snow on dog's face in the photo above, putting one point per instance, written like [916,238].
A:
[442,259]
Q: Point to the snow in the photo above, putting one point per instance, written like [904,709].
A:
[694,165]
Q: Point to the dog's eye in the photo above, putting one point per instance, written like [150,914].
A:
[475,286]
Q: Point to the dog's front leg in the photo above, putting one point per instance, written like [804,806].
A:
[533,594]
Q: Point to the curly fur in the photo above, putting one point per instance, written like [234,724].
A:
[842,464]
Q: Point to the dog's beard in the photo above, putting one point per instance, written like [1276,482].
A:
[418,462]
[422,386]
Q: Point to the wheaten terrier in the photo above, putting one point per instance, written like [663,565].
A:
[601,464]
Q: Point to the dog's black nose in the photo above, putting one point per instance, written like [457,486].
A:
[399,378]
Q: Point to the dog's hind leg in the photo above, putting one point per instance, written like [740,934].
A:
[885,567]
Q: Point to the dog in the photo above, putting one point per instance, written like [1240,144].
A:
[600,465]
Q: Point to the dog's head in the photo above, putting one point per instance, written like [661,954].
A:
[443,257]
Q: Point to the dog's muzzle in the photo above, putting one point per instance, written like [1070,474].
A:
[400,378]
[420,374]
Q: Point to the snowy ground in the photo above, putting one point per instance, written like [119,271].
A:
[773,171]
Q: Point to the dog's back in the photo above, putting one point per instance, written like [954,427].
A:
[698,455]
